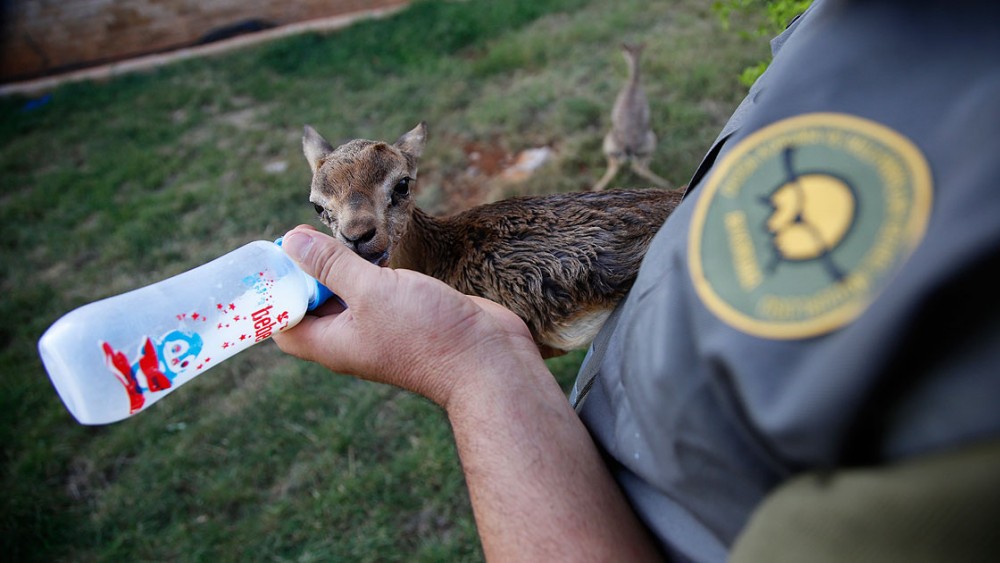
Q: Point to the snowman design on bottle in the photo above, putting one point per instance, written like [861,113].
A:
[179,351]
[186,351]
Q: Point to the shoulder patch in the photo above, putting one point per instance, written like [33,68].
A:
[803,221]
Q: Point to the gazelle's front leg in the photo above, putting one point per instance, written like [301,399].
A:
[641,167]
[613,165]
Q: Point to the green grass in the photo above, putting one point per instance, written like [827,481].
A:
[118,184]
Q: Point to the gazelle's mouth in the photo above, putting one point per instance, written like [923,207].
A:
[381,260]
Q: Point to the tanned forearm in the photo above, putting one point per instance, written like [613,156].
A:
[539,488]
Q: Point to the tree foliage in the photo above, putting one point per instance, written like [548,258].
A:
[778,14]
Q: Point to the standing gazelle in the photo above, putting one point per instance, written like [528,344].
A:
[631,138]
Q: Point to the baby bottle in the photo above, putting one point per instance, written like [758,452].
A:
[113,358]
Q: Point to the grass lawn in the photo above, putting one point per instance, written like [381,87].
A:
[114,185]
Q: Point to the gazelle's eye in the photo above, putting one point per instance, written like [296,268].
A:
[318,208]
[402,188]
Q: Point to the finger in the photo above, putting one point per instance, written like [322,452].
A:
[299,340]
[330,262]
[304,227]
[324,340]
[302,340]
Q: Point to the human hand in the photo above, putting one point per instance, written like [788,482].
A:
[401,327]
[524,452]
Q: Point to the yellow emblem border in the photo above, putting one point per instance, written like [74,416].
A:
[848,311]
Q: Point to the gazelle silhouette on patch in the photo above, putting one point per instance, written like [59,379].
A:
[811,214]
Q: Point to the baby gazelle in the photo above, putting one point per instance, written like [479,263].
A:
[631,138]
[560,262]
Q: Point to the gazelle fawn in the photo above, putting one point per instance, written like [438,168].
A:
[560,262]
[631,138]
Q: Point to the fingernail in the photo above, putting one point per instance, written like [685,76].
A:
[297,245]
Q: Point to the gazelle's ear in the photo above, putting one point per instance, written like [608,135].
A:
[412,143]
[315,147]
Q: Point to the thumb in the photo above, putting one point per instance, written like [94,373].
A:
[328,261]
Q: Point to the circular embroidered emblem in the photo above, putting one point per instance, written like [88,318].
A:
[803,221]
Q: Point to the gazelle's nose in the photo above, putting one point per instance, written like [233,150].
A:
[359,237]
